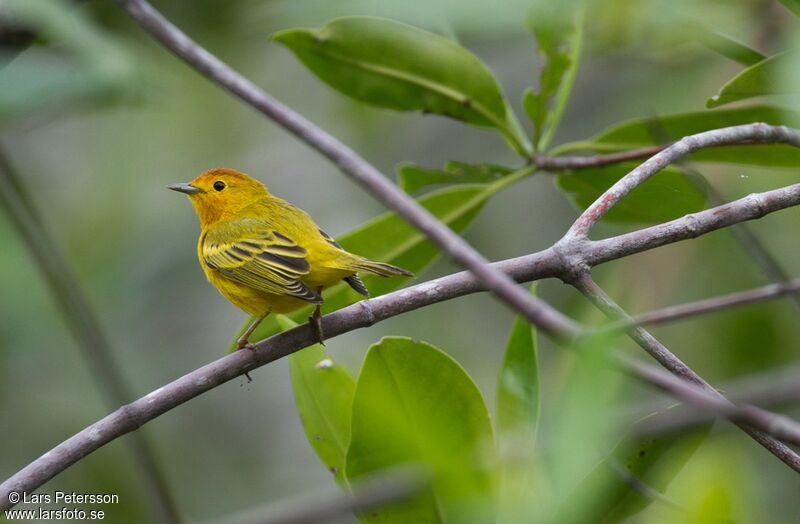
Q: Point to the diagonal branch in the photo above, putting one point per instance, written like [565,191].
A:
[758,133]
[713,403]
[549,263]
[773,388]
[677,367]
[350,163]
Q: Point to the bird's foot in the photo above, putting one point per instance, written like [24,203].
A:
[244,344]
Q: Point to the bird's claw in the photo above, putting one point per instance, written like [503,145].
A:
[244,344]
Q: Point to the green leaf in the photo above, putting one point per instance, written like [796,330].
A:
[667,195]
[727,46]
[411,177]
[764,78]
[535,105]
[518,401]
[581,429]
[518,384]
[607,493]
[415,404]
[642,132]
[391,239]
[393,65]
[323,391]
[560,41]
[792,5]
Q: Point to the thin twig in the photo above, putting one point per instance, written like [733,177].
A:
[551,262]
[758,132]
[641,487]
[765,390]
[576,162]
[766,263]
[548,319]
[393,486]
[710,305]
[676,366]
[709,400]
[82,321]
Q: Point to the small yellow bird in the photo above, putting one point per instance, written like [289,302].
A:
[264,254]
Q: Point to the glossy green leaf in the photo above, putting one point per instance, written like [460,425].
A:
[643,132]
[391,239]
[393,65]
[560,41]
[323,391]
[667,195]
[607,494]
[792,5]
[518,383]
[411,177]
[764,78]
[415,404]
[727,46]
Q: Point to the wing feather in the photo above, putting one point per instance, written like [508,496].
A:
[265,260]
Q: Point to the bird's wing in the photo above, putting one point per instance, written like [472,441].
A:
[260,258]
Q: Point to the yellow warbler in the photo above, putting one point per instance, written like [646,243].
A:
[264,254]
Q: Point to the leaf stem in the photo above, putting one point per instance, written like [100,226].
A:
[565,89]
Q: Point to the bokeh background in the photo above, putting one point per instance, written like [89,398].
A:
[96,166]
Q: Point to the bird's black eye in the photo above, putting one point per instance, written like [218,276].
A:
[219,185]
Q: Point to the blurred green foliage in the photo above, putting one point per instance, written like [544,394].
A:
[99,120]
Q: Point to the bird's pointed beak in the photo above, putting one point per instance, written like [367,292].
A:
[189,189]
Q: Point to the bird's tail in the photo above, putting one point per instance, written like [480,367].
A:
[380,268]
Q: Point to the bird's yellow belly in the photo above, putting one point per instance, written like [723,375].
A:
[259,303]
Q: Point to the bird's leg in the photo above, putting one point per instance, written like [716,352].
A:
[316,321]
[244,343]
[243,340]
